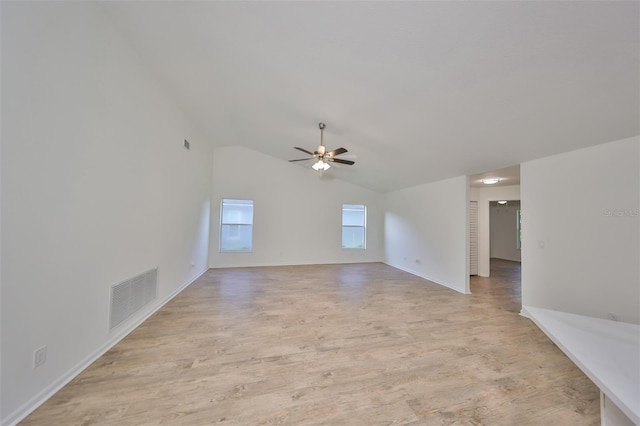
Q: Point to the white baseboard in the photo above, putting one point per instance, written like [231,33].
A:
[270,264]
[417,274]
[28,407]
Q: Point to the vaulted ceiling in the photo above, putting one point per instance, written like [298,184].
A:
[416,91]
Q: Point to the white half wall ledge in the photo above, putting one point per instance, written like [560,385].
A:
[608,352]
[417,274]
[524,312]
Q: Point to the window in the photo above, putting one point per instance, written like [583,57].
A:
[236,225]
[354,226]
[519,229]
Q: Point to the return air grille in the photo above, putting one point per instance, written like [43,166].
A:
[129,296]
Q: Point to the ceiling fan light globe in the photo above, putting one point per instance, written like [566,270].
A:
[320,165]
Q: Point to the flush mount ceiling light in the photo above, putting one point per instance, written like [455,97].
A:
[490,181]
[323,156]
[502,202]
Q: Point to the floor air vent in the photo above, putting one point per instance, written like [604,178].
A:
[129,296]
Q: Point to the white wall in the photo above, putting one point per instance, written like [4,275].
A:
[504,230]
[580,244]
[426,232]
[96,187]
[297,213]
[483,196]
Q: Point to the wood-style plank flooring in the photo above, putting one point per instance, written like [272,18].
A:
[358,344]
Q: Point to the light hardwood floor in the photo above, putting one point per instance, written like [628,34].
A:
[359,344]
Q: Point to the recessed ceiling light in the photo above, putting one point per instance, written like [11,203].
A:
[490,181]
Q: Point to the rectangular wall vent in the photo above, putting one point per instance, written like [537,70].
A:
[129,296]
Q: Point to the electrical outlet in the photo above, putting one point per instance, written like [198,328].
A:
[613,317]
[39,356]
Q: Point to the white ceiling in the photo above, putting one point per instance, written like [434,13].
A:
[416,91]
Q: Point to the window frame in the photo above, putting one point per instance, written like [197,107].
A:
[222,224]
[364,227]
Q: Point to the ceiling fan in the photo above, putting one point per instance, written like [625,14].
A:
[324,157]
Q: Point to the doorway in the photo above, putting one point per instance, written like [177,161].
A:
[504,230]
[485,190]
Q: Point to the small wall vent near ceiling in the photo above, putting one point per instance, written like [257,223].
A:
[129,296]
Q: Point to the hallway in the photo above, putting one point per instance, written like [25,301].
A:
[503,288]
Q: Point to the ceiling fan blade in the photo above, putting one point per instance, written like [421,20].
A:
[303,150]
[337,152]
[338,160]
[301,159]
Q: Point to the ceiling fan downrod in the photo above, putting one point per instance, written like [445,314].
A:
[321,149]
